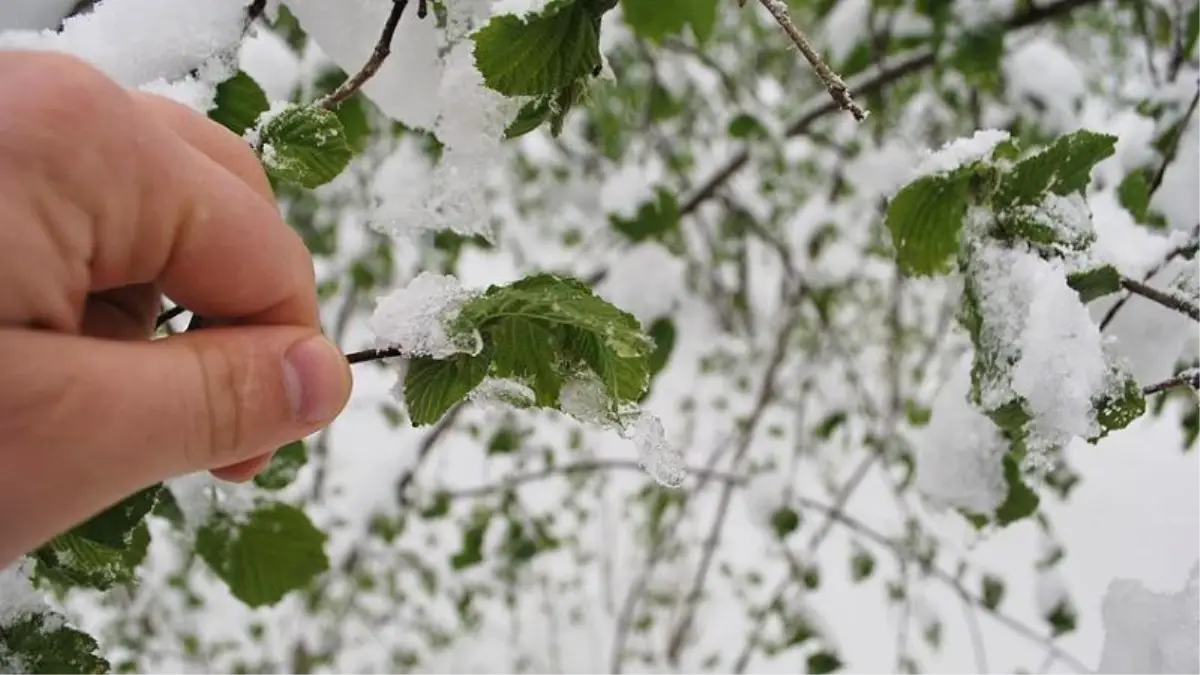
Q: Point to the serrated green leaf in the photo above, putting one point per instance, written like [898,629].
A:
[113,526]
[263,556]
[524,349]
[284,467]
[926,218]
[304,145]
[72,560]
[432,386]
[1095,283]
[992,592]
[238,103]
[1126,404]
[823,661]
[1062,168]
[654,218]
[43,643]
[784,521]
[658,19]
[539,54]
[530,116]
[1021,502]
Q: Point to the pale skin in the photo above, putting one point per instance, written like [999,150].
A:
[110,199]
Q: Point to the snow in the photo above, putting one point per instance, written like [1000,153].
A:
[659,458]
[503,391]
[267,58]
[960,454]
[585,399]
[1034,320]
[33,14]
[17,595]
[1044,81]
[1148,632]
[1051,592]
[646,280]
[961,152]
[162,41]
[413,318]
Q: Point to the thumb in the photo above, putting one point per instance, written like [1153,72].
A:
[84,422]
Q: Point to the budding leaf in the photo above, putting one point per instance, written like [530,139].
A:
[238,104]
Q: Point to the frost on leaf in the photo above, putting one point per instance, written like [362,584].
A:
[584,399]
[661,459]
[1148,632]
[416,318]
[961,152]
[304,145]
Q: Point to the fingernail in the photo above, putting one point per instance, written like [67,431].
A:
[314,377]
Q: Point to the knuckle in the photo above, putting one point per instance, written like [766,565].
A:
[222,431]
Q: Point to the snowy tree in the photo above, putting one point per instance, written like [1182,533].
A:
[689,335]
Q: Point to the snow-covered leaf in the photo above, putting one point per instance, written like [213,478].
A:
[43,643]
[304,145]
[1062,168]
[433,386]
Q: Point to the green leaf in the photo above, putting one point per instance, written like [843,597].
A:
[239,102]
[72,560]
[432,386]
[43,643]
[823,661]
[925,219]
[784,521]
[654,218]
[1124,405]
[1134,194]
[304,145]
[530,116]
[745,126]
[1062,168]
[657,19]
[977,54]
[1021,502]
[993,591]
[284,466]
[862,564]
[114,526]
[829,424]
[524,349]
[662,331]
[1095,283]
[541,53]
[471,552]
[166,507]
[263,556]
[1062,618]
[591,330]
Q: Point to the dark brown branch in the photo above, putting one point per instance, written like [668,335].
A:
[1167,300]
[373,355]
[167,315]
[1187,250]
[1173,148]
[383,48]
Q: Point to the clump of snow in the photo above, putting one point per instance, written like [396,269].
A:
[961,152]
[518,7]
[1034,321]
[18,598]
[1051,592]
[585,399]
[646,280]
[1045,82]
[961,453]
[1067,216]
[503,391]
[1148,632]
[267,58]
[414,318]
[162,41]
[659,458]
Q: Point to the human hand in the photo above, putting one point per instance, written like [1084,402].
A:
[109,199]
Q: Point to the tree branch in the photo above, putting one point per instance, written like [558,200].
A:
[833,83]
[1168,300]
[864,84]
[1188,378]
[1173,148]
[383,48]
[1187,250]
[581,467]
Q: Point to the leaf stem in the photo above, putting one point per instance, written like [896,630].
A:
[1188,378]
[383,48]
[373,355]
[833,82]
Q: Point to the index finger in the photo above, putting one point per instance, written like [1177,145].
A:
[156,208]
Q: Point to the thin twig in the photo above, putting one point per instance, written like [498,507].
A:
[766,395]
[167,315]
[1167,300]
[382,49]
[1173,148]
[374,355]
[1188,378]
[863,84]
[423,450]
[586,466]
[1186,250]
[832,81]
